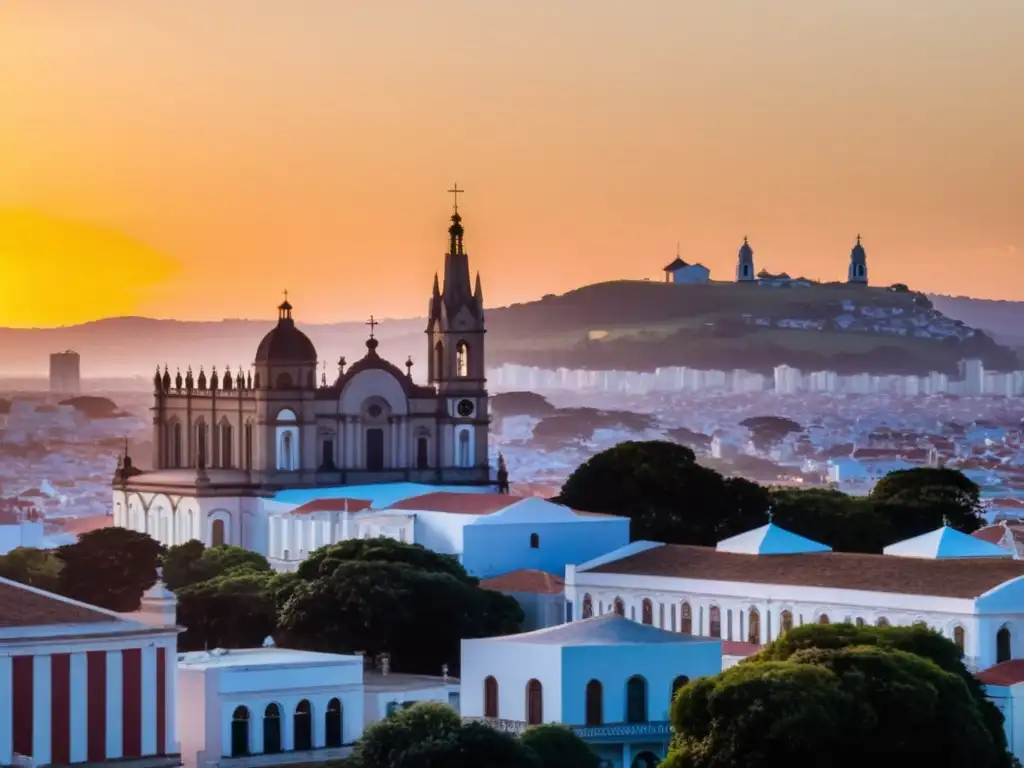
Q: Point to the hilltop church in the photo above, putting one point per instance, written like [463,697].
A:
[225,442]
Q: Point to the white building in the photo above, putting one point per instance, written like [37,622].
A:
[681,273]
[610,679]
[754,587]
[385,692]
[268,706]
[541,595]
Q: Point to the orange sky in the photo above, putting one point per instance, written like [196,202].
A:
[192,158]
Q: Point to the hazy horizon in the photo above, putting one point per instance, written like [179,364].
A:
[192,160]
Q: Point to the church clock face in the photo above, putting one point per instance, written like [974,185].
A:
[465,408]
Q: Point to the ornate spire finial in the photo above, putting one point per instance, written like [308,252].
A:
[341,366]
[858,239]
[373,324]
[745,240]
[455,191]
[408,367]
[323,375]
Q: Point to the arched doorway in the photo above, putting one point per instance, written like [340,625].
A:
[218,536]
[303,721]
[271,729]
[490,697]
[595,703]
[636,700]
[534,703]
[240,732]
[374,449]
[333,723]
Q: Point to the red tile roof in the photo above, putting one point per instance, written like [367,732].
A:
[526,580]
[458,503]
[331,505]
[952,577]
[80,525]
[22,606]
[1006,673]
[736,648]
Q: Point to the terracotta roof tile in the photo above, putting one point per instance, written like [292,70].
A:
[21,606]
[331,505]
[526,580]
[458,503]
[1006,673]
[80,525]
[954,577]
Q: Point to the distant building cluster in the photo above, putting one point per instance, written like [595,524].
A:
[684,273]
[973,380]
[65,373]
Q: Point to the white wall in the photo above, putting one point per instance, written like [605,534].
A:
[376,702]
[513,665]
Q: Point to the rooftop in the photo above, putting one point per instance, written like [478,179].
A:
[24,606]
[379,495]
[946,542]
[459,503]
[944,577]
[373,680]
[222,658]
[526,580]
[1006,673]
[608,629]
[770,540]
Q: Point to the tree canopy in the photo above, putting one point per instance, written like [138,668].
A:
[192,562]
[670,497]
[556,746]
[39,568]
[376,595]
[110,568]
[821,695]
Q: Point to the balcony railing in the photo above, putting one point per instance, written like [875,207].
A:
[660,730]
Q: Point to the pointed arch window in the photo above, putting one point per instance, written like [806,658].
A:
[225,445]
[201,443]
[176,449]
[439,361]
[595,703]
[959,638]
[490,697]
[647,612]
[462,360]
[534,703]
[686,619]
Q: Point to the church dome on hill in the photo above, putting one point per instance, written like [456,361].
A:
[285,343]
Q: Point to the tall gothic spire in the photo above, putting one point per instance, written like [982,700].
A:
[458,291]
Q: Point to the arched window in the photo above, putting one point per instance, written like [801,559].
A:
[754,627]
[284,381]
[334,723]
[303,726]
[1003,645]
[225,445]
[439,361]
[647,612]
[882,622]
[534,703]
[823,619]
[201,443]
[636,700]
[534,541]
[465,459]
[462,360]
[285,461]
[422,452]
[490,697]
[588,607]
[785,621]
[715,621]
[217,535]
[859,621]
[248,445]
[620,607]
[686,619]
[678,683]
[240,732]
[271,729]
[595,703]
[176,449]
[958,638]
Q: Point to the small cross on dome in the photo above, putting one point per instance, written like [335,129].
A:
[373,324]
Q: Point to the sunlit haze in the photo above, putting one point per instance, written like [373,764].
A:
[193,159]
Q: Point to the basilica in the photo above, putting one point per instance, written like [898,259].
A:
[227,441]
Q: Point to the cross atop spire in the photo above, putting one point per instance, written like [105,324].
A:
[455,192]
[858,239]
[284,310]
[373,324]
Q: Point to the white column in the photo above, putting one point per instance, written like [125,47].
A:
[41,694]
[6,711]
[115,735]
[403,441]
[148,700]
[255,730]
[393,441]
[79,707]
[319,724]
[171,696]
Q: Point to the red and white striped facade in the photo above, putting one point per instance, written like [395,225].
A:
[79,684]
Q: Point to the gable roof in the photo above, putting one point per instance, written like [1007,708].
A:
[944,577]
[330,505]
[458,503]
[607,629]
[24,606]
[770,540]
[1005,673]
[945,542]
[677,264]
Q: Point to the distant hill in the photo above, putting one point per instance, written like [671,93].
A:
[625,325]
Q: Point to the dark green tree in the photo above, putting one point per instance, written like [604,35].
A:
[666,493]
[431,735]
[237,610]
[38,568]
[339,601]
[110,568]
[846,523]
[558,747]
[181,565]
[915,501]
[192,563]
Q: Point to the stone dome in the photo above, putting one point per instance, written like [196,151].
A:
[285,343]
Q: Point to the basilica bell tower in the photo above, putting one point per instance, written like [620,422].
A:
[456,360]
